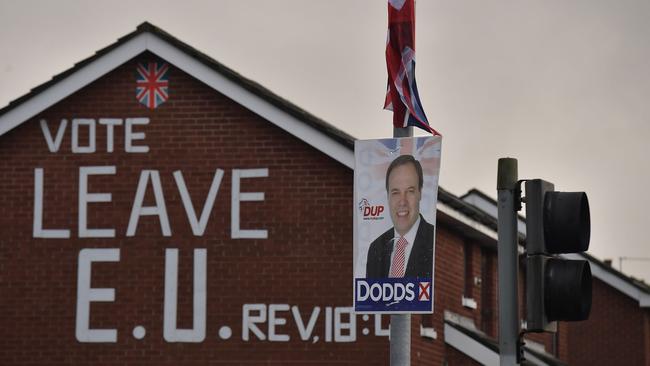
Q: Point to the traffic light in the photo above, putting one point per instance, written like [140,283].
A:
[556,288]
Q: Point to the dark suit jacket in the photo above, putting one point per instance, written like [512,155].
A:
[420,261]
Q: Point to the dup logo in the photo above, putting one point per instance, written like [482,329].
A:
[393,295]
[369,211]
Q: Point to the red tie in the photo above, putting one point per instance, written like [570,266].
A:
[397,268]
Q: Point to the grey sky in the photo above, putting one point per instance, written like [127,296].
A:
[561,85]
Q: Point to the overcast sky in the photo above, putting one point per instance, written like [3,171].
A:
[563,86]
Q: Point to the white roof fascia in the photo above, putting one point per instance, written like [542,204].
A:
[470,346]
[491,209]
[455,214]
[614,281]
[72,83]
[259,106]
[147,41]
[481,203]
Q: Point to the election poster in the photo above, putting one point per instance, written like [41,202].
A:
[395,195]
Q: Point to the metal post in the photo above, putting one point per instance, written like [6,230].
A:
[400,324]
[508,265]
[400,339]
[403,132]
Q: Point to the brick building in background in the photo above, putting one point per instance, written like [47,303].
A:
[212,224]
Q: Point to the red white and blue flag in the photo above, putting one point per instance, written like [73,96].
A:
[152,84]
[402,95]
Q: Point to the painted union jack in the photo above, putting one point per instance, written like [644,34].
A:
[152,84]
[402,95]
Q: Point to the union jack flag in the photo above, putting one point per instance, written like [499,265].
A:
[152,84]
[402,95]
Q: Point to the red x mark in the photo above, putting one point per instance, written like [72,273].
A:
[425,291]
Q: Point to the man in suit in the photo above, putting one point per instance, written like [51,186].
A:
[406,249]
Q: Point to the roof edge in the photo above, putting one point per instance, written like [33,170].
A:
[148,28]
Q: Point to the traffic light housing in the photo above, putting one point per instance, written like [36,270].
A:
[556,288]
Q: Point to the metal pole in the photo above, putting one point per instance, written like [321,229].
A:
[400,339]
[400,324]
[508,265]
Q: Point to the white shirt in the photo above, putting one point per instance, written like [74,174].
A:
[410,238]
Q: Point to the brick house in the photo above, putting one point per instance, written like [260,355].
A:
[212,224]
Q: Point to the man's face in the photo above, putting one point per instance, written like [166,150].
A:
[404,197]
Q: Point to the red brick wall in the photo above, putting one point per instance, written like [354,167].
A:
[646,315]
[614,333]
[448,289]
[306,260]
[489,291]
[457,358]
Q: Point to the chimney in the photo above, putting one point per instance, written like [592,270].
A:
[608,262]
